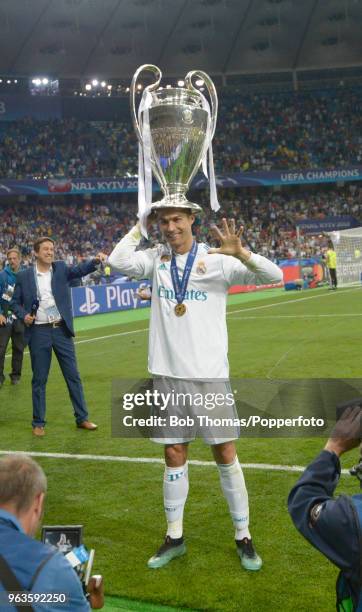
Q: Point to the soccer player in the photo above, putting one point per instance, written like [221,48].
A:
[188,353]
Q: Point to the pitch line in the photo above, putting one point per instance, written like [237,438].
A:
[156,460]
[309,316]
[134,331]
[296,301]
[229,313]
[126,333]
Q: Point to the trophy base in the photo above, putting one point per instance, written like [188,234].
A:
[176,201]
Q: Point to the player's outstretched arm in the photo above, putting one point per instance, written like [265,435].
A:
[249,268]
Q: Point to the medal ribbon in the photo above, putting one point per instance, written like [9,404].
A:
[180,286]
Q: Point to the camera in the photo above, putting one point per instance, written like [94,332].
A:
[68,539]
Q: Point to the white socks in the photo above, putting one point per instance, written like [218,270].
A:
[234,489]
[175,490]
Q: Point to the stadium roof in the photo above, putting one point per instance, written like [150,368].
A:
[111,38]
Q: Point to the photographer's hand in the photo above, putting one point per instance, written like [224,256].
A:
[96,592]
[346,433]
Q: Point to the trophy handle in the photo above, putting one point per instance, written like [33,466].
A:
[211,91]
[158,74]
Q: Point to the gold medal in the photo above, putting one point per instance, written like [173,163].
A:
[180,310]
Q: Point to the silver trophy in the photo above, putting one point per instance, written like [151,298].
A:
[175,127]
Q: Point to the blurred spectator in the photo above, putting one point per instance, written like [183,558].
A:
[269,217]
[10,327]
[280,131]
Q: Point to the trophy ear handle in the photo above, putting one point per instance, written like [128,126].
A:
[158,74]
[211,91]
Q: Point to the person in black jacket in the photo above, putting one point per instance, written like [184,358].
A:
[10,326]
[333,525]
[42,300]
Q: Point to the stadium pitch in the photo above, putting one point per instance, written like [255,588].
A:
[272,335]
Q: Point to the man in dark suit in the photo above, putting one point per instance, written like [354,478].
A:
[42,300]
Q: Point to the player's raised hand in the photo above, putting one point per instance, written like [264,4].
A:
[230,240]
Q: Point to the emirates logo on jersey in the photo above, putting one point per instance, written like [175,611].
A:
[201,267]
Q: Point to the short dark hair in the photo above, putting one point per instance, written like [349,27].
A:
[13,250]
[181,209]
[21,480]
[40,241]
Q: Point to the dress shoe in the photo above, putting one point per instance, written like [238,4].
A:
[87,425]
[38,431]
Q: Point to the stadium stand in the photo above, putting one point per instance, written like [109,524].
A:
[82,226]
[288,131]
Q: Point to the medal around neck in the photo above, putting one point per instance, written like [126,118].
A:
[180,310]
[175,127]
[180,285]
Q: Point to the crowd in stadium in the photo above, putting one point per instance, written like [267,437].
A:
[290,131]
[67,147]
[83,227]
[286,131]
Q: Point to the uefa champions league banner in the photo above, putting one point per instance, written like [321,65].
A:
[98,299]
[64,185]
[277,177]
[328,224]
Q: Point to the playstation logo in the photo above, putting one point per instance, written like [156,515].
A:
[90,305]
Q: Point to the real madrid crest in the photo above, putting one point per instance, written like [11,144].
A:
[201,267]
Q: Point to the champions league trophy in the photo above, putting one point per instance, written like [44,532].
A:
[175,127]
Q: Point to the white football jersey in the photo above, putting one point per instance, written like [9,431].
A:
[195,345]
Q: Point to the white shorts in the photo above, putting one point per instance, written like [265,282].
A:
[193,409]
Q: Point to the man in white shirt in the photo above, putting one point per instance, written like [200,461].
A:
[42,300]
[188,353]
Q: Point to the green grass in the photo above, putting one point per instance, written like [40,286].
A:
[120,504]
